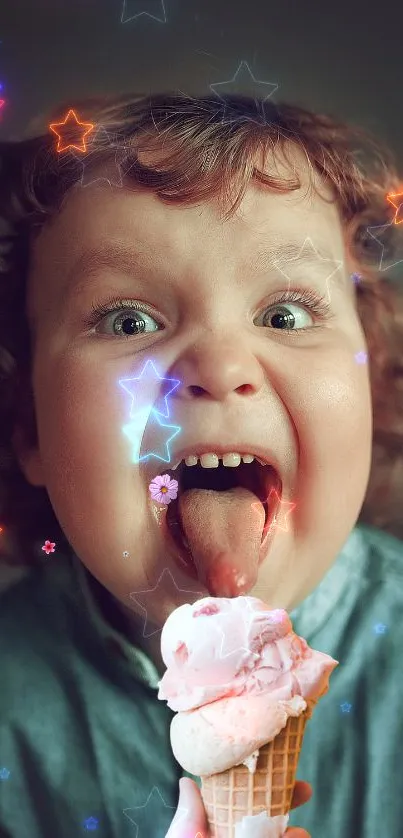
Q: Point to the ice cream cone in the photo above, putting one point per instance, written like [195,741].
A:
[233,794]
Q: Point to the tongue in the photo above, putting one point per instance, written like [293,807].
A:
[224,535]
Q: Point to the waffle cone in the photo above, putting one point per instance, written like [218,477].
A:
[234,793]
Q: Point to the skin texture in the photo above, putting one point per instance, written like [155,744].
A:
[303,395]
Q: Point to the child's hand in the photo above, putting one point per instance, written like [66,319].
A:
[191,818]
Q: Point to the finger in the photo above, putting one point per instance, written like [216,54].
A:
[190,817]
[302,793]
[296,832]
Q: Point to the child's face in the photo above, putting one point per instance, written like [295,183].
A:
[302,396]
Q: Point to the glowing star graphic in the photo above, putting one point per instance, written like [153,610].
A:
[398,205]
[135,432]
[149,595]
[135,8]
[380,628]
[163,489]
[111,166]
[283,508]
[259,91]
[154,810]
[4,773]
[49,547]
[90,824]
[361,357]
[356,278]
[345,707]
[309,255]
[377,233]
[141,390]
[70,126]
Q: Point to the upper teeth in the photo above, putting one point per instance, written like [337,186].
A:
[211,460]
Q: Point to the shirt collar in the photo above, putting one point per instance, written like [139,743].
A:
[339,584]
[129,656]
[310,616]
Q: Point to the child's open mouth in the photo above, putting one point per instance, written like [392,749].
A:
[220,523]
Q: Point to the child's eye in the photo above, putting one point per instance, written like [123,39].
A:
[125,323]
[283,315]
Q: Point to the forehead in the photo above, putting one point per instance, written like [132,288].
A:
[100,213]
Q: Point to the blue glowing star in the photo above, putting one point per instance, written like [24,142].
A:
[151,8]
[91,824]
[345,707]
[4,773]
[380,628]
[361,357]
[154,811]
[135,432]
[244,83]
[141,389]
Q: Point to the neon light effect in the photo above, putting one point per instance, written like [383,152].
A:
[73,120]
[127,382]
[398,207]
[280,503]
[142,398]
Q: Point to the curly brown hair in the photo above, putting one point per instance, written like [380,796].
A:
[207,147]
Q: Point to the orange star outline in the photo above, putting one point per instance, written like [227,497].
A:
[282,504]
[72,116]
[398,207]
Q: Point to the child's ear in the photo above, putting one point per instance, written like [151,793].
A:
[28,457]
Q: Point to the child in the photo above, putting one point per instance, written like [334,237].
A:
[229,250]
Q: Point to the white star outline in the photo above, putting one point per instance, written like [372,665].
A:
[244,69]
[96,143]
[382,228]
[196,594]
[338,262]
[155,789]
[144,12]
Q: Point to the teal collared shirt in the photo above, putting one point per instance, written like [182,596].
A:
[84,741]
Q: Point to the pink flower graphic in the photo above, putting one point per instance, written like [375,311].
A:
[49,547]
[163,489]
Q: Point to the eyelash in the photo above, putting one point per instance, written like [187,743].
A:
[316,304]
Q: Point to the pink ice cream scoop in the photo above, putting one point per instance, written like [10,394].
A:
[235,672]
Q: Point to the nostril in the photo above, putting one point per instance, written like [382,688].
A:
[195,390]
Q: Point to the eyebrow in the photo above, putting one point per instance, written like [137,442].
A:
[124,257]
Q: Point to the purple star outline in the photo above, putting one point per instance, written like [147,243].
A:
[128,385]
